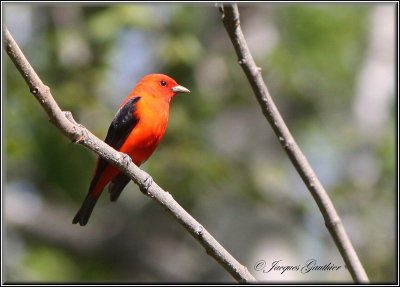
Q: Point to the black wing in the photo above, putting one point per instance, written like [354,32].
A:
[119,130]
[122,124]
[117,185]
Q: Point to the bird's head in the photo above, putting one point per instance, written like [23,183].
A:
[162,86]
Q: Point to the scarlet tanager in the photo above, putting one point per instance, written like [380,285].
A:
[136,130]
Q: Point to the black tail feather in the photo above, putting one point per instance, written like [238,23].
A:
[83,214]
[86,209]
[117,185]
[115,188]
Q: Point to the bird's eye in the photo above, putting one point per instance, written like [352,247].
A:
[163,83]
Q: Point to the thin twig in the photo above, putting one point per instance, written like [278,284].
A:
[230,18]
[79,134]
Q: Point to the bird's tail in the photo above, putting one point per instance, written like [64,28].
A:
[86,209]
[95,189]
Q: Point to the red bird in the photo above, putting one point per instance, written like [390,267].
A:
[136,130]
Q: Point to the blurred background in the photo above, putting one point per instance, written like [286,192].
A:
[330,69]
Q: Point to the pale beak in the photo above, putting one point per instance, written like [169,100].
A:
[180,89]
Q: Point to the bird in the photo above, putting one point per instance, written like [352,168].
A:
[136,130]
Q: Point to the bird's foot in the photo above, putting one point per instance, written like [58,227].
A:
[147,183]
[126,158]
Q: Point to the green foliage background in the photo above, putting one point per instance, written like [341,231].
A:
[219,157]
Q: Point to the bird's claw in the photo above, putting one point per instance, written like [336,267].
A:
[147,183]
[126,158]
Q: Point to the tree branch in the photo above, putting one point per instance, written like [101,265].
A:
[231,20]
[79,134]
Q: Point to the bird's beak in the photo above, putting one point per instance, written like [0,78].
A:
[180,89]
